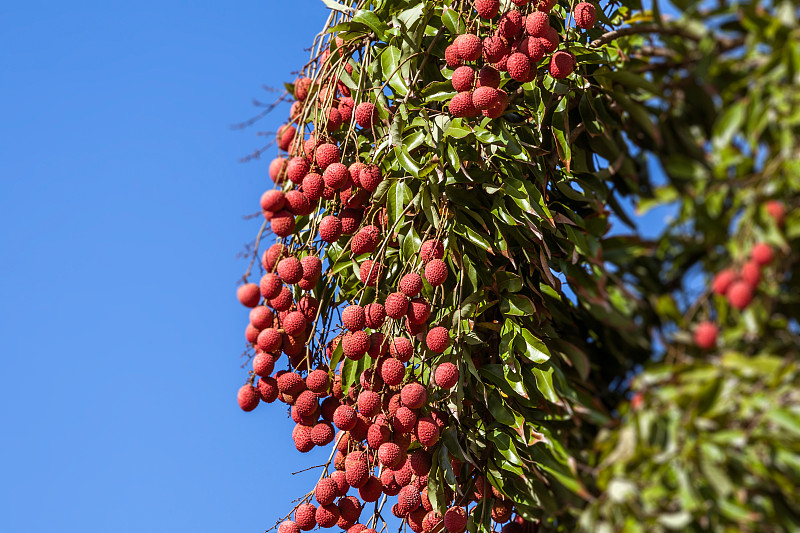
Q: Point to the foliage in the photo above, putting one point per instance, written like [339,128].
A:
[550,312]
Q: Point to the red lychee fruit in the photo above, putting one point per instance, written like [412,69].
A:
[415,519]
[396,305]
[404,419]
[411,284]
[370,177]
[341,483]
[534,49]
[774,208]
[282,223]
[334,119]
[311,265]
[350,508]
[431,249]
[272,255]
[251,333]
[585,15]
[455,520]
[740,294]
[376,435]
[389,454]
[297,169]
[351,218]
[272,200]
[468,47]
[438,339]
[355,344]
[510,25]
[308,305]
[345,418]
[318,381]
[330,228]
[488,77]
[269,340]
[353,317]
[401,349]
[550,40]
[356,469]
[377,345]
[487,8]
[248,397]
[451,56]
[545,5]
[365,240]
[432,522]
[305,516]
[427,431]
[446,375]
[369,403]
[751,273]
[537,23]
[248,294]
[722,281]
[322,434]
[306,403]
[519,66]
[325,491]
[268,389]
[335,176]
[419,310]
[494,48]
[283,301]
[413,395]
[420,461]
[370,273]
[290,270]
[327,515]
[288,526]
[705,335]
[285,136]
[290,383]
[370,492]
[277,169]
[263,364]
[375,315]
[408,500]
[463,78]
[326,155]
[762,253]
[392,371]
[301,86]
[461,105]
[436,272]
[501,510]
[561,64]
[313,185]
[366,115]
[389,485]
[297,203]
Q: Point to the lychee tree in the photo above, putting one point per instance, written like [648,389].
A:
[461,326]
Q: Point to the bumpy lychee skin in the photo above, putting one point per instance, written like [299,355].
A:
[248,397]
[308,305]
[330,228]
[282,223]
[288,526]
[370,177]
[268,389]
[389,454]
[248,294]
[305,516]
[322,434]
[269,340]
[277,169]
[461,105]
[396,305]
[356,469]
[463,78]
[404,419]
[494,48]
[297,203]
[408,500]
[283,301]
[411,284]
[297,169]
[318,381]
[438,339]
[488,77]
[550,40]
[311,266]
[585,15]
[401,349]
[251,333]
[285,136]
[455,520]
[501,510]
[536,23]
[740,294]
[351,218]
[369,403]
[272,255]
[326,155]
[762,253]
[306,403]
[487,9]
[370,272]
[427,431]
[722,281]
[705,335]
[327,515]
[353,317]
[364,241]
[436,272]
[290,383]
[263,364]
[290,270]
[519,66]
[355,344]
[366,115]
[419,310]
[374,315]
[431,249]
[272,200]
[446,375]
[345,417]
[350,508]
[413,395]
[534,48]
[431,522]
[370,492]
[510,25]
[313,185]
[485,97]
[451,56]
[420,461]
[392,371]
[325,491]
[561,64]
[468,47]
[335,176]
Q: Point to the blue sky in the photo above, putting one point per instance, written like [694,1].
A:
[121,201]
[121,198]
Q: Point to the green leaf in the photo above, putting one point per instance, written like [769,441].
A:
[454,24]
[336,6]
[544,382]
[371,20]
[399,198]
[535,350]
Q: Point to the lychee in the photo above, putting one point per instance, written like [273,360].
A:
[411,284]
[322,434]
[413,395]
[462,79]
[389,454]
[374,315]
[408,500]
[494,48]
[353,317]
[561,64]
[487,8]
[404,419]
[436,272]
[330,228]
[305,516]
[282,223]
[427,431]
[248,397]
[537,23]
[751,273]
[451,56]
[350,508]
[370,273]
[370,177]
[396,305]
[446,375]
[366,115]
[326,155]
[585,15]
[431,249]
[774,208]
[370,492]
[461,105]
[297,169]
[488,77]
[419,310]
[510,25]
[325,491]
[455,520]
[272,200]
[327,515]
[283,301]
[335,176]
[277,169]
[740,294]
[345,418]
[269,340]
[268,389]
[438,339]
[351,218]
[392,371]
[762,253]
[519,66]
[401,349]
[369,403]
[468,47]
[248,294]
[263,364]
[722,281]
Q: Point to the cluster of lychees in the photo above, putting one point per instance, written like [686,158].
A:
[738,285]
[388,422]
[517,46]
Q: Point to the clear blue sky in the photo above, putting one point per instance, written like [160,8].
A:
[121,200]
